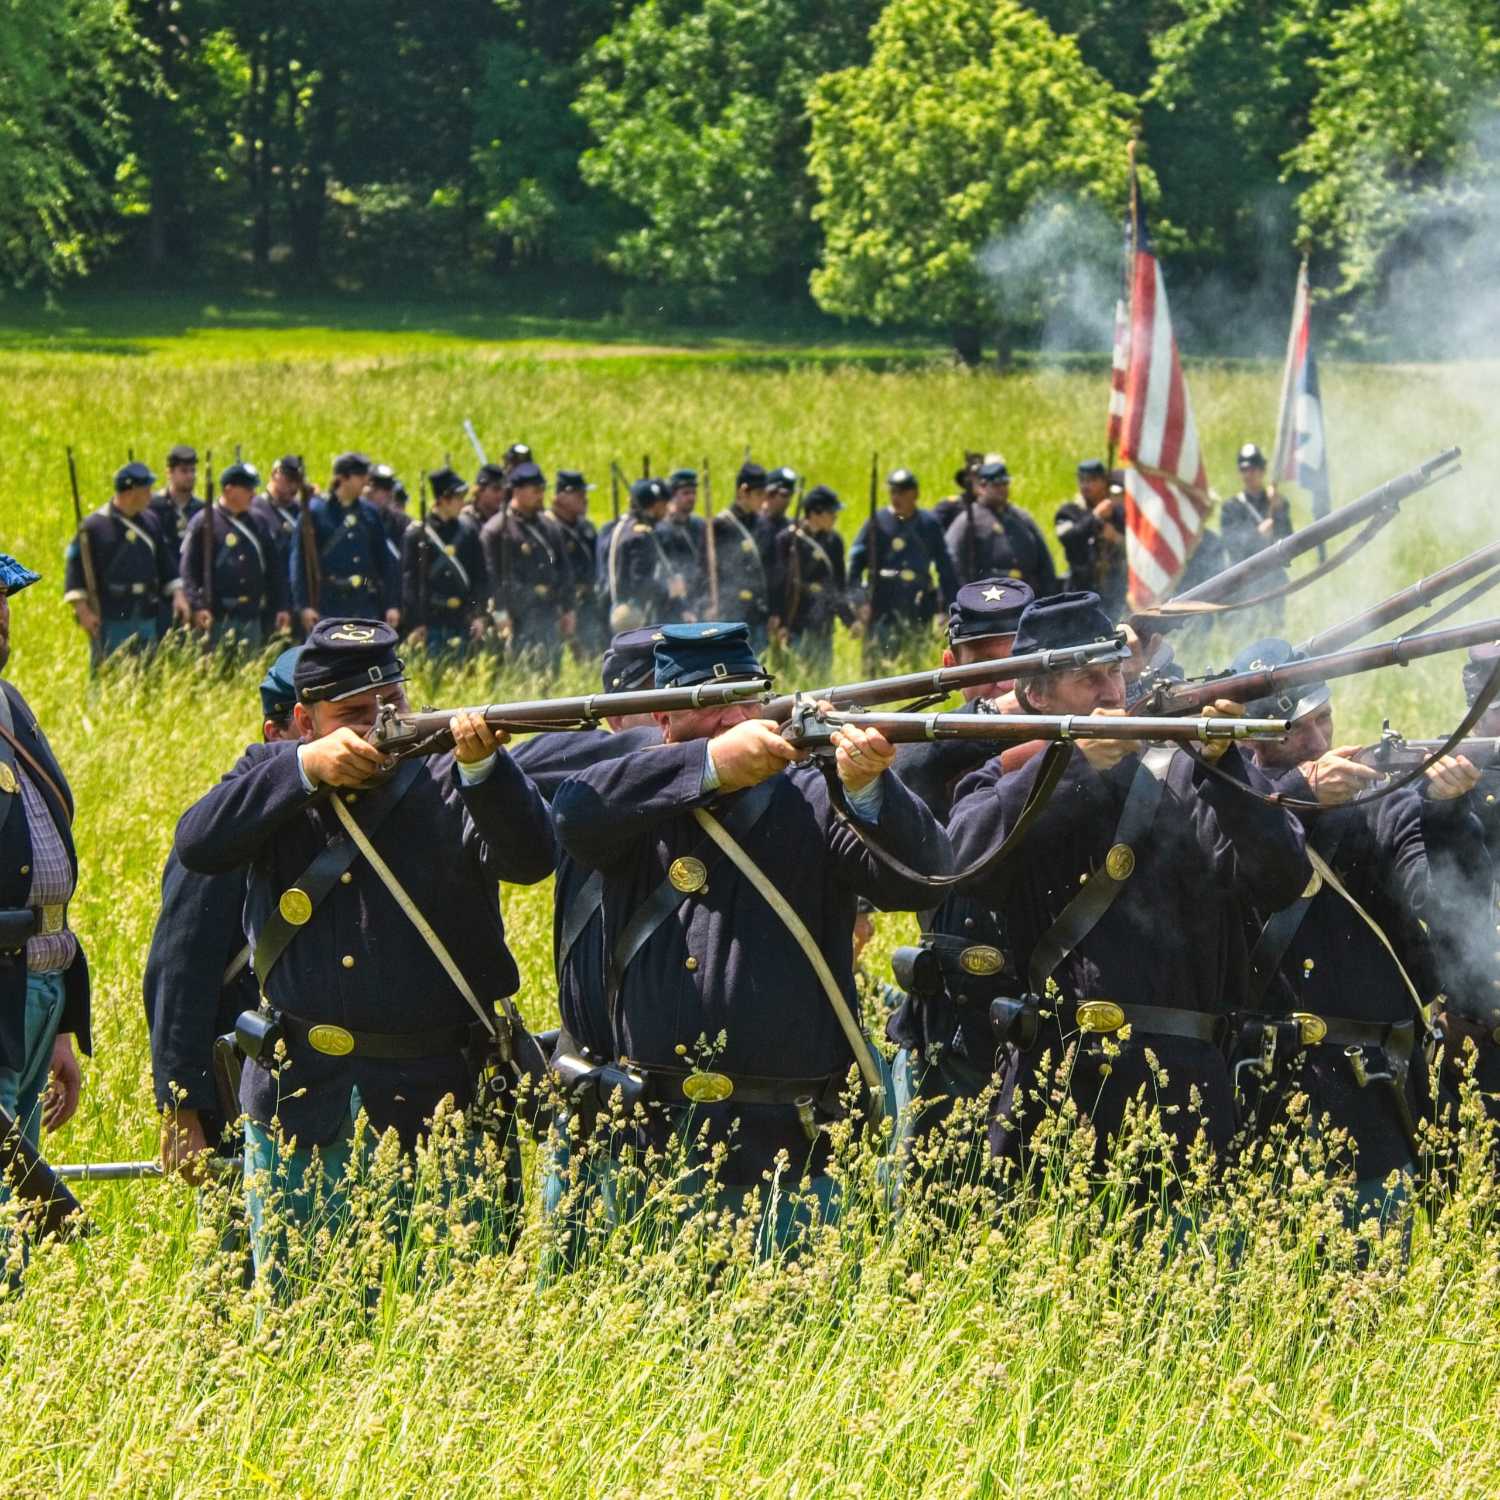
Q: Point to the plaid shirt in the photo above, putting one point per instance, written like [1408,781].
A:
[51,881]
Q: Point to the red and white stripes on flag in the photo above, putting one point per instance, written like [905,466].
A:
[1301,455]
[1166,486]
[1118,367]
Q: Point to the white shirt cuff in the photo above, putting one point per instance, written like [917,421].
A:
[479,771]
[866,804]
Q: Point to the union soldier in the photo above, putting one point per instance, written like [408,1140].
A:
[685,539]
[198,948]
[278,507]
[1252,520]
[809,588]
[488,495]
[1332,1006]
[689,968]
[570,509]
[342,543]
[781,485]
[130,566]
[44,976]
[911,574]
[443,588]
[175,504]
[1091,531]
[231,596]
[742,556]
[951,507]
[643,585]
[992,539]
[381,492]
[1129,898]
[947,1045]
[366,1009]
[531,579]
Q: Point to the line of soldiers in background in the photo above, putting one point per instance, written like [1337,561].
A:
[493,566]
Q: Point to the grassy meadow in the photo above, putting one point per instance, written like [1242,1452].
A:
[1041,1353]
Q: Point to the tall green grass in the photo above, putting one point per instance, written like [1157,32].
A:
[1043,1351]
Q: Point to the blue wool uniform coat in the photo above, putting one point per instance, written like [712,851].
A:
[359,962]
[15,891]
[914,577]
[630,818]
[1174,936]
[351,542]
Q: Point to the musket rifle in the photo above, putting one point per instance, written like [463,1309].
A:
[710,543]
[474,442]
[1392,754]
[49,1204]
[209,549]
[423,548]
[872,551]
[402,735]
[85,546]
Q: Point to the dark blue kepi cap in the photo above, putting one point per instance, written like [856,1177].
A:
[647,492]
[630,659]
[988,607]
[526,473]
[1069,619]
[278,693]
[1291,702]
[1482,661]
[343,657]
[715,650]
[133,476]
[241,474]
[820,497]
[14,576]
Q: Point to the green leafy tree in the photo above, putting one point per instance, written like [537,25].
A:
[1394,145]
[61,70]
[699,114]
[969,114]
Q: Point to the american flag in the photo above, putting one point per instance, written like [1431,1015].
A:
[1118,367]
[1166,488]
[1301,455]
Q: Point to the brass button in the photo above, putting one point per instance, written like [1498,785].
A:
[692,965]
[350,796]
[347,960]
[26,869]
[346,877]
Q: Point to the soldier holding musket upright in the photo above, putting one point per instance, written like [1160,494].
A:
[742,554]
[443,588]
[278,507]
[175,504]
[341,563]
[530,578]
[1130,897]
[229,566]
[683,537]
[570,509]
[809,588]
[120,553]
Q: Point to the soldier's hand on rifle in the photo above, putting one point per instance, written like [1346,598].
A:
[1335,778]
[1266,527]
[750,752]
[677,587]
[1220,708]
[86,617]
[393,618]
[864,614]
[180,610]
[63,1086]
[567,623]
[1105,755]
[342,758]
[309,619]
[1451,777]
[477,627]
[184,1146]
[417,635]
[863,756]
[473,739]
[283,619]
[204,619]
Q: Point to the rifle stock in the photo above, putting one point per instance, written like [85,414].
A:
[51,1206]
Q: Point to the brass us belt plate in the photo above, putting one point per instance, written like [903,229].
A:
[980,959]
[907,576]
[707,1088]
[231,540]
[687,874]
[1100,1015]
[51,918]
[898,544]
[8,781]
[295,906]
[455,603]
[1313,886]
[1311,1029]
[331,1041]
[1119,863]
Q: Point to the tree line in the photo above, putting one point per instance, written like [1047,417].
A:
[881,158]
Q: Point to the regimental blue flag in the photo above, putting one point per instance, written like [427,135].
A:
[1301,447]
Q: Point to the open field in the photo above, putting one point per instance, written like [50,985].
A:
[1034,1358]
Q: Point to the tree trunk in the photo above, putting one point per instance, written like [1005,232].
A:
[967,342]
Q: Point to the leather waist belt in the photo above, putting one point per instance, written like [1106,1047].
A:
[1103,1017]
[682,1086]
[387,1046]
[352,581]
[20,923]
[249,603]
[128,590]
[1315,1030]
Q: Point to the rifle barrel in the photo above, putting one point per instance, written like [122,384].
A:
[1223,586]
[812,730]
[1403,602]
[1241,687]
[942,681]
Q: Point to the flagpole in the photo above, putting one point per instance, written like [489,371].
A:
[1126,278]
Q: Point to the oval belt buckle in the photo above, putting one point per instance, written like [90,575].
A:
[687,874]
[295,906]
[1311,1029]
[331,1041]
[1119,863]
[707,1088]
[8,781]
[981,959]
[1100,1016]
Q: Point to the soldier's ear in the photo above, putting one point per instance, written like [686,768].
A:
[302,721]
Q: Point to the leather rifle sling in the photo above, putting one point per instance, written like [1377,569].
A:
[10,747]
[1084,912]
[320,877]
[859,1043]
[1278,935]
